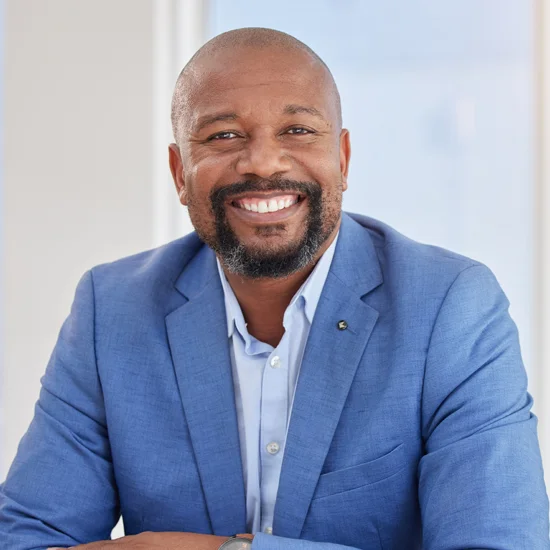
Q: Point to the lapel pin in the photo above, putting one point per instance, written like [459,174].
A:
[342,325]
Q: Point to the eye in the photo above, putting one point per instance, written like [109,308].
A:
[222,136]
[299,131]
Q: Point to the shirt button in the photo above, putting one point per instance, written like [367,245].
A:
[273,448]
[276,362]
[269,530]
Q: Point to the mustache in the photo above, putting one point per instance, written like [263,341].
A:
[220,195]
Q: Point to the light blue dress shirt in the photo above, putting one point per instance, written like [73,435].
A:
[264,380]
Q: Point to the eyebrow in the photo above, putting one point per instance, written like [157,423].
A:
[207,120]
[297,109]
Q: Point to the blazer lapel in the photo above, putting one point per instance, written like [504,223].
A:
[330,361]
[197,333]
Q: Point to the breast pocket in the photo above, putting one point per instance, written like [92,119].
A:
[360,475]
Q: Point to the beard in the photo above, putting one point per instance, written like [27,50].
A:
[271,262]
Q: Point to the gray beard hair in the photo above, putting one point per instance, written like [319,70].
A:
[264,263]
[239,261]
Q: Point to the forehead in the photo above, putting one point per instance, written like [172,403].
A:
[253,82]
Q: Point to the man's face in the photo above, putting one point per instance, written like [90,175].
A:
[262,162]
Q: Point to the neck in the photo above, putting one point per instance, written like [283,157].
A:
[272,296]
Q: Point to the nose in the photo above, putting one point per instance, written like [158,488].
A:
[263,156]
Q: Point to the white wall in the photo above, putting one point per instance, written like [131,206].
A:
[78,170]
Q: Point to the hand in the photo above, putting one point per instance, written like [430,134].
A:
[159,541]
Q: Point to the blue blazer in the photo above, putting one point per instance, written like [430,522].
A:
[410,430]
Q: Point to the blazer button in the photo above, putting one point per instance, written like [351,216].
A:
[342,325]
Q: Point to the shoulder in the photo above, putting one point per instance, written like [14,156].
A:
[422,270]
[393,245]
[147,274]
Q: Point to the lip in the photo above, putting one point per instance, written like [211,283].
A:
[268,217]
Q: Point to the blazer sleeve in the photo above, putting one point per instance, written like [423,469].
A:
[481,480]
[60,489]
[270,542]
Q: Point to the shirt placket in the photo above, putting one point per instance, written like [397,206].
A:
[274,410]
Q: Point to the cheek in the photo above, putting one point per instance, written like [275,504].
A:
[209,166]
[202,177]
[324,166]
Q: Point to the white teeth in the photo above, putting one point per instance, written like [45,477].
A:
[271,205]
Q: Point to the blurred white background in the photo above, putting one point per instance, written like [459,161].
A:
[447,103]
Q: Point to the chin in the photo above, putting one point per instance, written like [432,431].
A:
[271,245]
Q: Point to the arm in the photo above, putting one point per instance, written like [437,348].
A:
[481,480]
[60,489]
[195,541]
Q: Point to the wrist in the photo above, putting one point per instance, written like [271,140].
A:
[242,541]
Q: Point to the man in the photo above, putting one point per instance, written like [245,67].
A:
[307,378]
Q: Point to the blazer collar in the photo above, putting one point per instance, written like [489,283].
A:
[355,261]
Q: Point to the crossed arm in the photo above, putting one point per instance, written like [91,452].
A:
[159,541]
[193,541]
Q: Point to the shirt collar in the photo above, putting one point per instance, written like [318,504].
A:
[232,308]
[307,295]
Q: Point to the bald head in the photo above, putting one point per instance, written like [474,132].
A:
[217,53]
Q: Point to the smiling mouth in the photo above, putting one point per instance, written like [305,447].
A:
[267,204]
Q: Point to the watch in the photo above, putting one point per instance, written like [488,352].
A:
[236,543]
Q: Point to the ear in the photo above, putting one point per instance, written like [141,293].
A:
[345,155]
[176,167]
